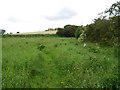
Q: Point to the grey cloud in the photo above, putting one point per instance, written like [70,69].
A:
[13,19]
[65,13]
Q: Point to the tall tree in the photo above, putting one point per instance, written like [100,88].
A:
[114,9]
[114,12]
[69,30]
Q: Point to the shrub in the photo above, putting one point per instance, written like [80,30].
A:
[82,36]
[60,32]
[94,50]
[56,45]
[41,47]
[67,31]
[70,30]
[78,32]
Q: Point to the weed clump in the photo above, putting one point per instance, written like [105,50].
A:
[41,47]
[94,50]
[56,45]
[26,42]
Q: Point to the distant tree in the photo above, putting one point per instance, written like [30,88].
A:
[2,31]
[69,30]
[60,31]
[50,29]
[46,30]
[67,26]
[11,33]
[114,9]
[56,28]
[114,14]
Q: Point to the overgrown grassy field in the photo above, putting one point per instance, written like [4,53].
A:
[54,62]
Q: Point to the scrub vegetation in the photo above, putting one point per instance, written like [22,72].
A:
[74,57]
[55,62]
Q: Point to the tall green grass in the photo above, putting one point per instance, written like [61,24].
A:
[54,62]
[0,62]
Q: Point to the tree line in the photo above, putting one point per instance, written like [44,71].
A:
[103,29]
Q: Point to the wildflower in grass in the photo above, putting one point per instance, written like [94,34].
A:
[104,57]
[23,38]
[84,45]
[62,82]
[66,86]
[68,70]
[97,45]
[74,79]
[74,68]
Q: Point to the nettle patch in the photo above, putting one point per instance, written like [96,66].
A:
[40,47]
[94,50]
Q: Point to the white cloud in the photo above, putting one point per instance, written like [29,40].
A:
[65,13]
[35,15]
[13,19]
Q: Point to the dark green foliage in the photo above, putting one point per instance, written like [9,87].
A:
[60,32]
[70,30]
[41,47]
[99,31]
[113,81]
[115,28]
[26,42]
[114,9]
[78,32]
[94,50]
[67,31]
[103,30]
[114,16]
[116,52]
[37,67]
[56,45]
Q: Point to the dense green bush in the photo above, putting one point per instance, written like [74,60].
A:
[67,31]
[60,32]
[82,37]
[103,29]
[41,47]
[78,32]
[70,30]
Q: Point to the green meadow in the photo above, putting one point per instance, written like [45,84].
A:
[57,62]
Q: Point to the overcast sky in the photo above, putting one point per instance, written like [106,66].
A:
[38,15]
